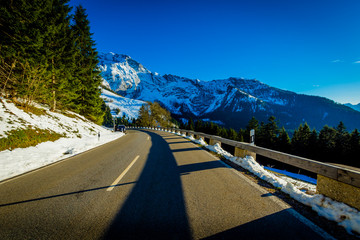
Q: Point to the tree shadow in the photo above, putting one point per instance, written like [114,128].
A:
[63,194]
[186,149]
[178,142]
[155,208]
[185,169]
[280,225]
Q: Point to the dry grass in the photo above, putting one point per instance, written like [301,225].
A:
[22,138]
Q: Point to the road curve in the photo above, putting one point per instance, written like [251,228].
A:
[145,185]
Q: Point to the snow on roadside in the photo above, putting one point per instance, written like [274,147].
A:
[341,213]
[21,160]
[81,135]
[293,175]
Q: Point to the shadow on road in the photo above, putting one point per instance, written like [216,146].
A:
[155,208]
[64,194]
[200,167]
[178,142]
[187,149]
[280,225]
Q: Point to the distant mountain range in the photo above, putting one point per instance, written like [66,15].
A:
[231,101]
[355,107]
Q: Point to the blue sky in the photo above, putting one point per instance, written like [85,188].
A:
[308,46]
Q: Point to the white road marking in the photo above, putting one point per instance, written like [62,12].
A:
[122,174]
[50,164]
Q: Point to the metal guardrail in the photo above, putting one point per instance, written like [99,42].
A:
[340,174]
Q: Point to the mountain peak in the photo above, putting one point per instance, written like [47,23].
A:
[233,101]
[114,57]
[353,106]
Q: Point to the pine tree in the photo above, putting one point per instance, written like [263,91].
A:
[342,140]
[222,132]
[283,143]
[253,124]
[300,140]
[313,145]
[22,66]
[190,125]
[231,134]
[58,51]
[240,135]
[88,76]
[107,120]
[268,133]
[327,143]
[199,125]
[354,151]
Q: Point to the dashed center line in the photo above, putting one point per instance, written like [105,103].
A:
[122,174]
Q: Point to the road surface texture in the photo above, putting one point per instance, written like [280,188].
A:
[145,185]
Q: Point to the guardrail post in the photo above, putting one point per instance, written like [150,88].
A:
[339,191]
[213,142]
[243,153]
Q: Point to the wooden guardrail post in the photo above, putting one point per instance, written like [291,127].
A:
[214,141]
[243,153]
[339,191]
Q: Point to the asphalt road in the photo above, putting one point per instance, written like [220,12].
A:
[145,185]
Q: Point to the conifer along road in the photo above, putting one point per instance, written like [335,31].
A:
[145,185]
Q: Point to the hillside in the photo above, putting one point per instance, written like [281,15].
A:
[232,101]
[59,135]
[128,107]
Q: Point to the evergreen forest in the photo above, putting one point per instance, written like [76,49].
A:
[48,56]
[330,144]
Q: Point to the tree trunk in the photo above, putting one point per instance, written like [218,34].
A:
[53,108]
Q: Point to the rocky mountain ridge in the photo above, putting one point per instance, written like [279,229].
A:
[232,101]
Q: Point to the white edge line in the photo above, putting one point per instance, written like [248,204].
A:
[122,174]
[6,180]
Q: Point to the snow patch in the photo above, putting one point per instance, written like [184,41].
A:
[128,107]
[81,135]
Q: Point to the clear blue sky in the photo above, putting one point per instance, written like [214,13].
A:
[307,46]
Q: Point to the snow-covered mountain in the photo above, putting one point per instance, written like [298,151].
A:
[128,107]
[355,107]
[232,101]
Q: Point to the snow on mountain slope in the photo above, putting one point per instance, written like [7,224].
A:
[232,101]
[121,72]
[128,107]
[81,135]
[178,94]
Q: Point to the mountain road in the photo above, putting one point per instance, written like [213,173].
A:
[145,185]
